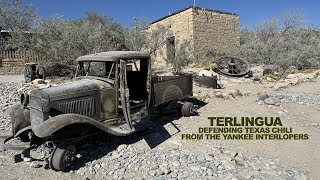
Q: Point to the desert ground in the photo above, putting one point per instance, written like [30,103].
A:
[161,153]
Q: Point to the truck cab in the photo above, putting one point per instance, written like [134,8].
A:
[113,91]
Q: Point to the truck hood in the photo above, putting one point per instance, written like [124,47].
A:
[83,87]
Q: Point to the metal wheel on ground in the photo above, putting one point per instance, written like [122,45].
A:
[63,156]
[28,73]
[41,73]
[232,66]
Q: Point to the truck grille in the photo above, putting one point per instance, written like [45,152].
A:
[35,103]
[84,107]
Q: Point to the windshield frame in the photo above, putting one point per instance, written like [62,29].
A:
[82,72]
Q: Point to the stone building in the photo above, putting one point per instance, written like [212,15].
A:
[215,32]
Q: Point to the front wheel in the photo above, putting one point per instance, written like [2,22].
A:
[63,156]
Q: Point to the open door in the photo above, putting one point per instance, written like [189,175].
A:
[125,95]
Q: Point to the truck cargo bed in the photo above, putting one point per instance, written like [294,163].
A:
[169,88]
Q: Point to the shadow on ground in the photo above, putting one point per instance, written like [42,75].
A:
[96,147]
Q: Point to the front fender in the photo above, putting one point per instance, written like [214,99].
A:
[20,117]
[56,123]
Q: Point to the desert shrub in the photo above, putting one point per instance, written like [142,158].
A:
[57,69]
[64,40]
[283,41]
[182,56]
[136,38]
[17,18]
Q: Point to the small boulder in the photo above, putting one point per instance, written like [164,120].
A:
[256,80]
[292,70]
[263,96]
[270,69]
[38,81]
[34,164]
[271,101]
[121,147]
[207,73]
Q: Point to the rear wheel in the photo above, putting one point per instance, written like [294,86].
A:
[63,156]
[186,109]
[28,74]
[41,73]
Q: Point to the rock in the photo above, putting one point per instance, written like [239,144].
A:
[256,80]
[115,156]
[228,165]
[271,101]
[292,70]
[209,158]
[34,164]
[121,147]
[195,168]
[38,81]
[279,96]
[240,161]
[165,169]
[210,172]
[273,77]
[97,166]
[235,93]
[263,96]
[290,173]
[281,85]
[27,159]
[269,69]
[219,95]
[293,81]
[154,167]
[152,173]
[176,163]
[291,76]
[207,73]
[301,177]
[214,152]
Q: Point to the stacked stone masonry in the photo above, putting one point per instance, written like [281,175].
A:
[214,32]
[10,67]
[13,62]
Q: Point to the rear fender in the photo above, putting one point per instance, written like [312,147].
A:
[56,123]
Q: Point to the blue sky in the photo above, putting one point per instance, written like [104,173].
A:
[123,11]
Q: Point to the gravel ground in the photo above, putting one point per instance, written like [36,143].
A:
[9,94]
[107,157]
[11,78]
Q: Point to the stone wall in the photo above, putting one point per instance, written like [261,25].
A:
[10,67]
[212,32]
[181,25]
[217,32]
[13,62]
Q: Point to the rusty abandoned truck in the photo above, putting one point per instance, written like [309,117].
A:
[113,91]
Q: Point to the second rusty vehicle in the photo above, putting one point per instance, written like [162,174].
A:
[113,91]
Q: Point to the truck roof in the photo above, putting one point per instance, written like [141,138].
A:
[114,55]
